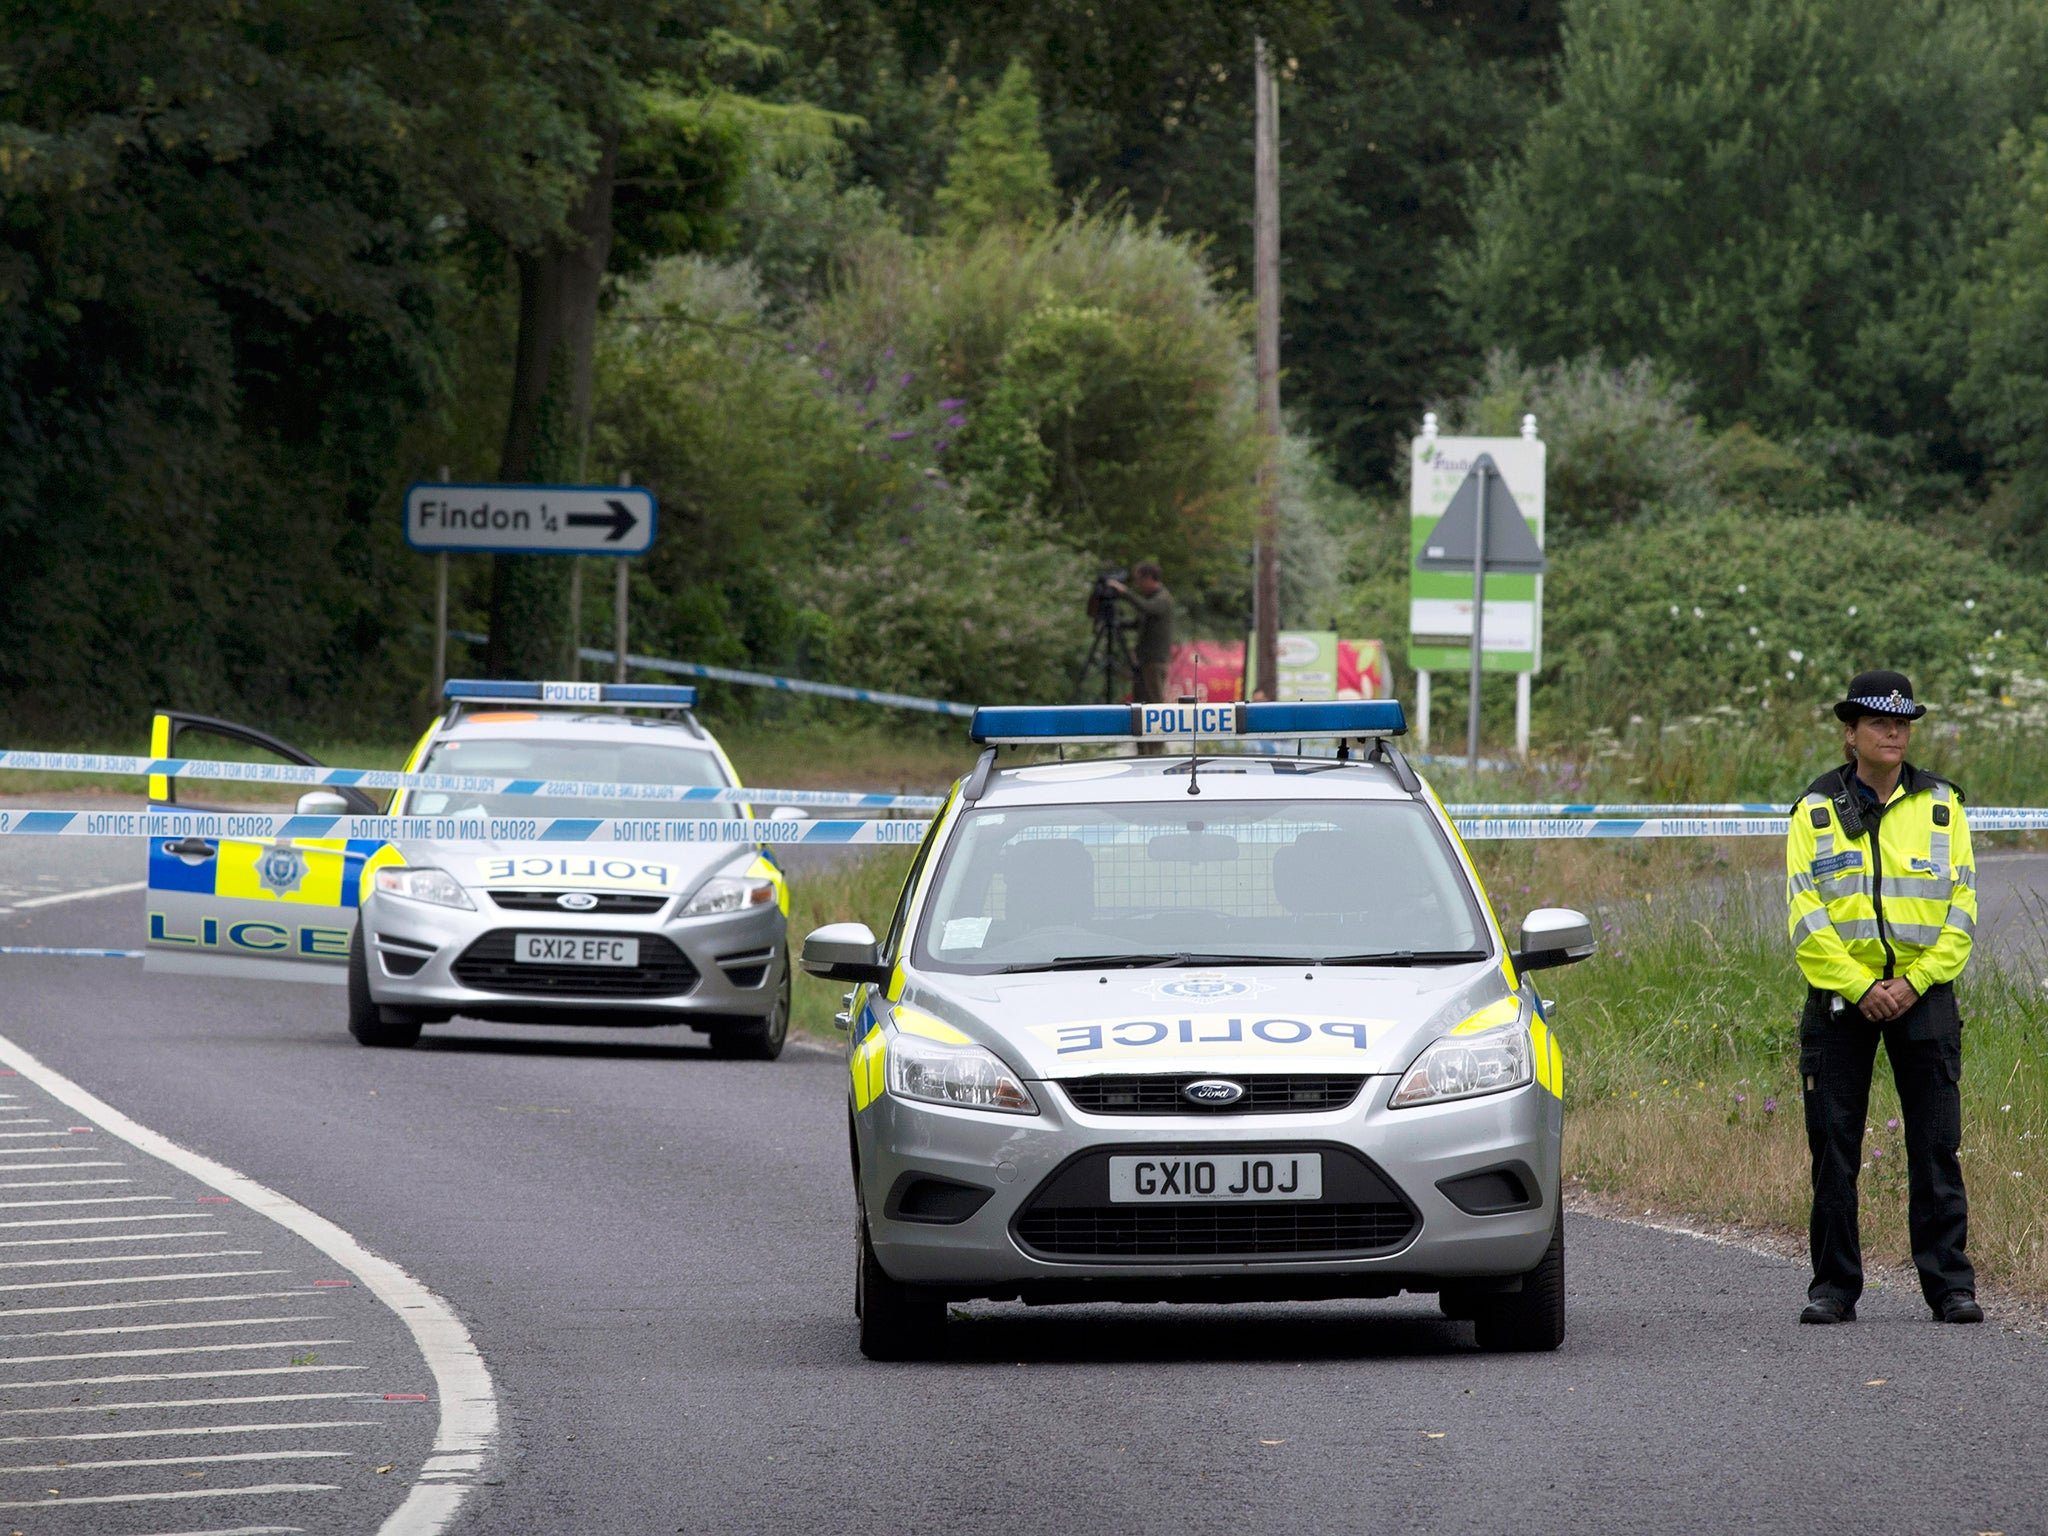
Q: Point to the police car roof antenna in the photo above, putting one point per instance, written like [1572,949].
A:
[1194,763]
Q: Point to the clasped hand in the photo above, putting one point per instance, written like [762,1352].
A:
[1886,1000]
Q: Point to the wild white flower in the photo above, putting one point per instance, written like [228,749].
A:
[1752,629]
[1852,611]
[1789,676]
[1698,613]
[1674,614]
[1969,602]
[1742,586]
[1797,655]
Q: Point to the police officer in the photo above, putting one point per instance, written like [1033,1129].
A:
[1881,885]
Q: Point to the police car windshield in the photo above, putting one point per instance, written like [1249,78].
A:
[1048,887]
[588,762]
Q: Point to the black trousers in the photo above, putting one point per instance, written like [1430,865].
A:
[1837,1052]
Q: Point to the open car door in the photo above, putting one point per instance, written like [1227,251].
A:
[281,909]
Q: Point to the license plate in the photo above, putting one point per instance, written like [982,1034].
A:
[574,949]
[1250,1176]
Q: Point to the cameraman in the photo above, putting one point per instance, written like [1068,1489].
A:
[1155,628]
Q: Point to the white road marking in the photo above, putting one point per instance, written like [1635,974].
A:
[133,1258]
[64,1183]
[31,1167]
[190,1402]
[241,1530]
[31,1205]
[183,1349]
[101,1221]
[247,1370]
[182,1493]
[194,1429]
[88,895]
[467,1400]
[218,1322]
[178,1236]
[85,1148]
[214,1274]
[181,1461]
[166,1301]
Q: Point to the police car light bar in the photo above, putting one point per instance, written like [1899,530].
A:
[1019,724]
[473,690]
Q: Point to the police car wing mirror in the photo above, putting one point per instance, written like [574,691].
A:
[789,813]
[1553,936]
[322,802]
[844,952]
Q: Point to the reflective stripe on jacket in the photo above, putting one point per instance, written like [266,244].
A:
[1908,909]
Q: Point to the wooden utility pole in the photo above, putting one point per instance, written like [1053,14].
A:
[1266,293]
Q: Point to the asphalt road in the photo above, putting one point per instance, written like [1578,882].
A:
[653,1252]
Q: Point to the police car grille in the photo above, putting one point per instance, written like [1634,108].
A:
[1212,1231]
[490,965]
[605,901]
[1156,1093]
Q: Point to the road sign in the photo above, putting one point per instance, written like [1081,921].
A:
[1440,589]
[529,519]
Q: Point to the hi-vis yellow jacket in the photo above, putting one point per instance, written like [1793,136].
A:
[1899,900]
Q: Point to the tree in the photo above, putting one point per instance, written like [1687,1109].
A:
[999,173]
[1759,194]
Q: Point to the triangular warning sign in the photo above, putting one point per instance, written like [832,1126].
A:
[1511,549]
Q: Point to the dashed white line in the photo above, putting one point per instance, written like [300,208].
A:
[181,1461]
[132,1258]
[467,1400]
[241,1530]
[247,1370]
[86,895]
[182,1493]
[183,1349]
[193,1429]
[204,1274]
[31,1205]
[161,1301]
[31,1167]
[65,1183]
[217,1322]
[125,1237]
[101,1221]
[189,1402]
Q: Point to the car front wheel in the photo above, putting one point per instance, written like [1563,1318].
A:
[897,1321]
[365,1018]
[763,1039]
[1531,1319]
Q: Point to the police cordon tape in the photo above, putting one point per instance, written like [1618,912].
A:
[757,679]
[383,778]
[738,830]
[218,825]
[1510,808]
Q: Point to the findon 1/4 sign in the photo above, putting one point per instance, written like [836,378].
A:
[529,519]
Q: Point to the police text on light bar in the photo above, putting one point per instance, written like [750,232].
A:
[472,690]
[1014,724]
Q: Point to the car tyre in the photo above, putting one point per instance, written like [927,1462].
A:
[897,1321]
[365,1019]
[761,1040]
[1531,1319]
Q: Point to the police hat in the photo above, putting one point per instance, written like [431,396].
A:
[1879,693]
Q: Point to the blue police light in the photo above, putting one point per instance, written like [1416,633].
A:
[477,690]
[1019,724]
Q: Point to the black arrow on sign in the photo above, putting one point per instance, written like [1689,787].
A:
[620,520]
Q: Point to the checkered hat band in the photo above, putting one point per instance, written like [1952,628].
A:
[1895,702]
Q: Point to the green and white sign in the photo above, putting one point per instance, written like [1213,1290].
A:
[1440,601]
[1305,661]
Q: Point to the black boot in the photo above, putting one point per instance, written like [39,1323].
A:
[1829,1309]
[1958,1307]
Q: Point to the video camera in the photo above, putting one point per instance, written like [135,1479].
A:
[1102,596]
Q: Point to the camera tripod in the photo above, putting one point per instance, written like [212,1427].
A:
[1109,653]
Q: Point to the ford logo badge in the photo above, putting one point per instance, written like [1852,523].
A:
[576,901]
[1213,1091]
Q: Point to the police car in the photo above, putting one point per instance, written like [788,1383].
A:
[510,931]
[1200,1029]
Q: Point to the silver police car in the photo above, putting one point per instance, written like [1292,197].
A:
[1201,1029]
[537,932]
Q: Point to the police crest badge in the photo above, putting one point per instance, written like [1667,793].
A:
[281,869]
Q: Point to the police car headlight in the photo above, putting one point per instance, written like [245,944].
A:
[962,1075]
[1465,1066]
[728,893]
[424,883]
